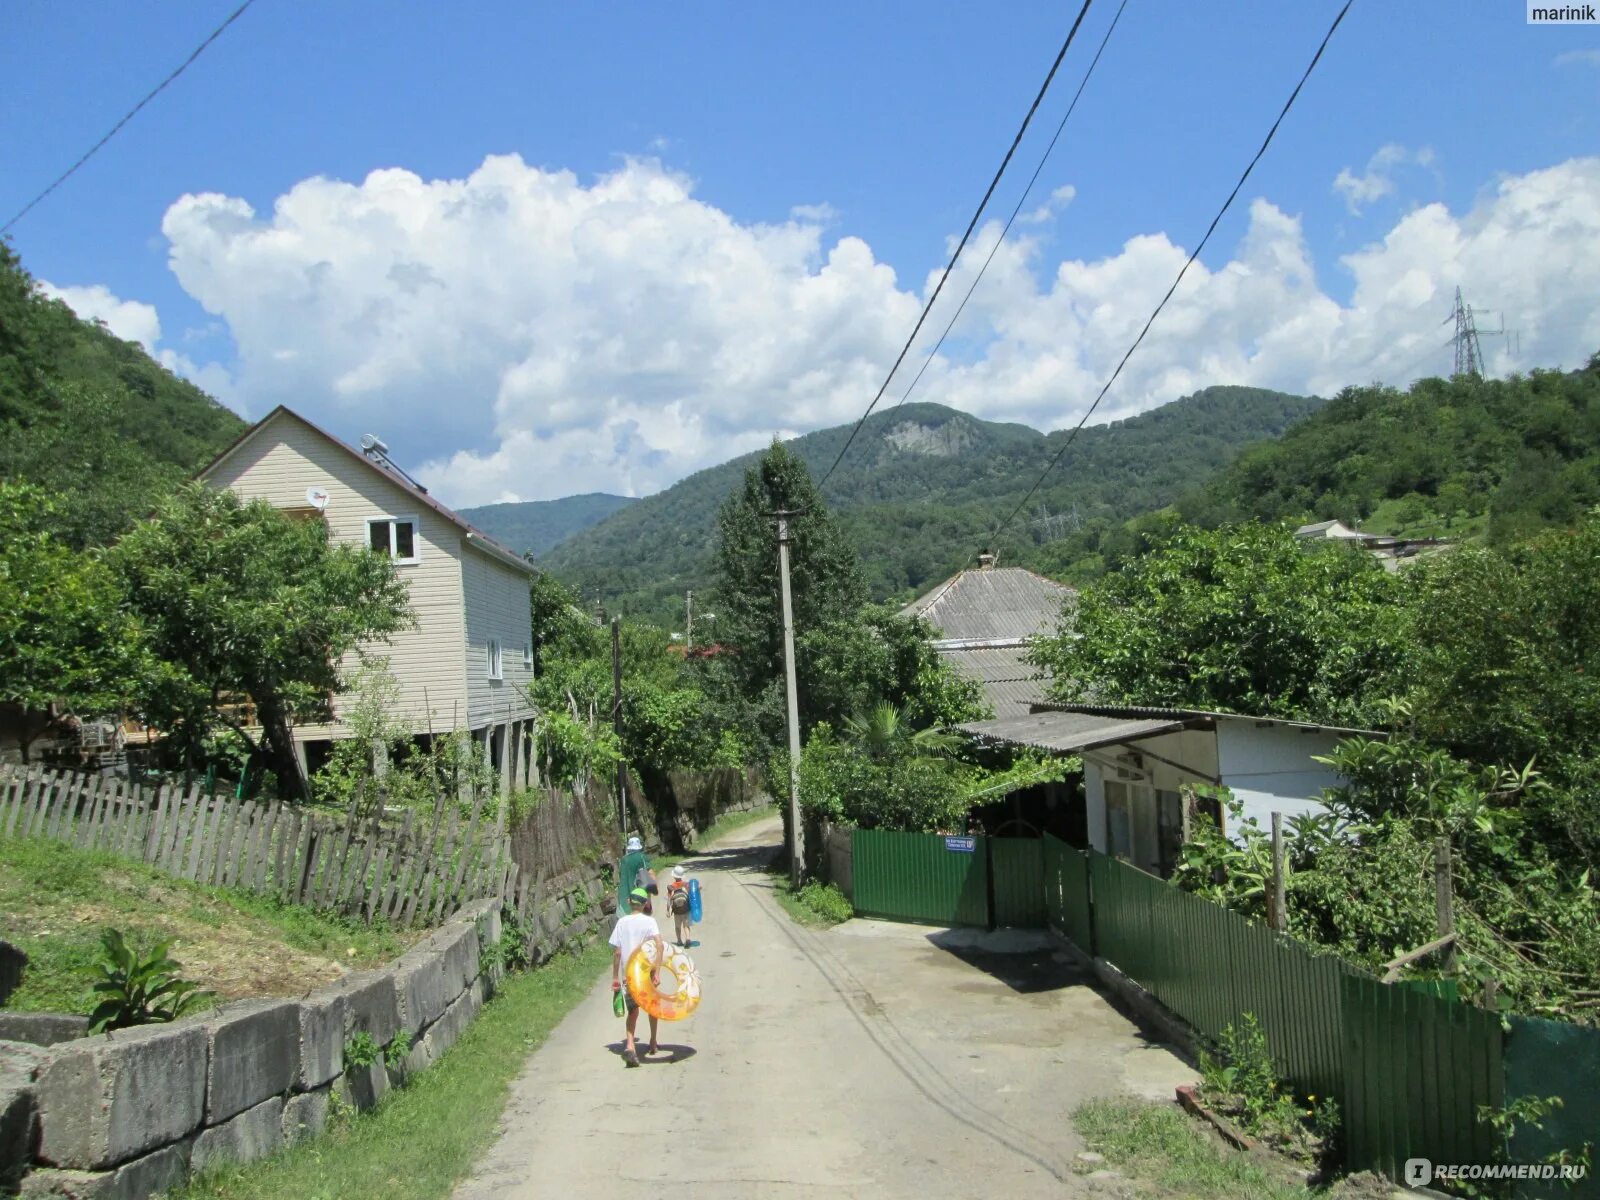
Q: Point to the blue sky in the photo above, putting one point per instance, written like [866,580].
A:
[534,360]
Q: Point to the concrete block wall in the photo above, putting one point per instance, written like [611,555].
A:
[129,1114]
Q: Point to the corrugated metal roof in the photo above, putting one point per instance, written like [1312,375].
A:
[1190,714]
[1063,732]
[1011,684]
[1000,602]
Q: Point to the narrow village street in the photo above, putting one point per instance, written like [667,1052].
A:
[871,1059]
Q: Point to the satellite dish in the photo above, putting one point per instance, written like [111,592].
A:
[317,497]
[371,441]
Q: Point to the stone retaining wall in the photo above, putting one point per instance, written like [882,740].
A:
[693,800]
[131,1113]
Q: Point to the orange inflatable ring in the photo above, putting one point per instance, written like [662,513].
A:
[678,993]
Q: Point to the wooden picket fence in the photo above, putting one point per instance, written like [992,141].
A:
[416,874]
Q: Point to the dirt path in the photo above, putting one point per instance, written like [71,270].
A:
[871,1059]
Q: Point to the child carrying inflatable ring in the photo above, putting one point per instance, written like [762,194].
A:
[678,992]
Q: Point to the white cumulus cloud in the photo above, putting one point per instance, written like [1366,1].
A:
[1378,181]
[130,320]
[523,334]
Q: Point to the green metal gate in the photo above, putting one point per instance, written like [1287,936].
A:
[1066,891]
[921,877]
[1019,882]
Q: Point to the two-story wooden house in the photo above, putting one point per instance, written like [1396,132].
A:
[468,662]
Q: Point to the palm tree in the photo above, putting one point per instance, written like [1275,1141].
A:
[884,735]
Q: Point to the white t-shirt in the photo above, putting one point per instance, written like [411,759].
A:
[633,931]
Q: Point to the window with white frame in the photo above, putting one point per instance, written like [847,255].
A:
[496,665]
[396,537]
[527,656]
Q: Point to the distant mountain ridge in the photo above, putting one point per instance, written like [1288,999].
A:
[538,526]
[923,487]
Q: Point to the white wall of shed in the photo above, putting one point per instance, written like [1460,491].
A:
[1269,768]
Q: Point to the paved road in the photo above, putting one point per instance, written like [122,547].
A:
[871,1059]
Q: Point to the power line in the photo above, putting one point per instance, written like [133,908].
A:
[995,249]
[160,87]
[971,225]
[1221,212]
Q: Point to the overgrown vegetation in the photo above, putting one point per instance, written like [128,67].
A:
[1161,1149]
[1241,1082]
[424,1137]
[1481,665]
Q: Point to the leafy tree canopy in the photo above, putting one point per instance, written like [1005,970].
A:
[64,637]
[239,601]
[1243,619]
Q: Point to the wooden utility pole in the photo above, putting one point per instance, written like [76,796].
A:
[616,722]
[797,858]
[1444,896]
[1278,911]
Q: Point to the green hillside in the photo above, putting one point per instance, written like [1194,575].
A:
[923,487]
[1462,458]
[1458,457]
[539,526]
[91,416]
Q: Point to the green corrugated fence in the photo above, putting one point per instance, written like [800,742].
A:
[1417,1071]
[1412,1071]
[1066,880]
[920,877]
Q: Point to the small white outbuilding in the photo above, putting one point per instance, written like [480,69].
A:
[1137,762]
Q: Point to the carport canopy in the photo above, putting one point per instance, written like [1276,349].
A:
[1066,732]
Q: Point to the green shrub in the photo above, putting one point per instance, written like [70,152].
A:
[361,1050]
[1243,1084]
[139,988]
[827,901]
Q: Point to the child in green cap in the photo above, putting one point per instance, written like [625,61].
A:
[631,932]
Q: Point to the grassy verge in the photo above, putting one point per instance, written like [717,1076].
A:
[425,1137]
[816,904]
[1159,1145]
[55,900]
[1165,1152]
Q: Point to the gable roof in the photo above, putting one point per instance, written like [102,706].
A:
[1000,605]
[475,537]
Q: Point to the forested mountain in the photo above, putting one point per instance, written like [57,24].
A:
[1460,458]
[1503,457]
[924,486]
[539,526]
[92,417]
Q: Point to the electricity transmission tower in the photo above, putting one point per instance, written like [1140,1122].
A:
[1469,354]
